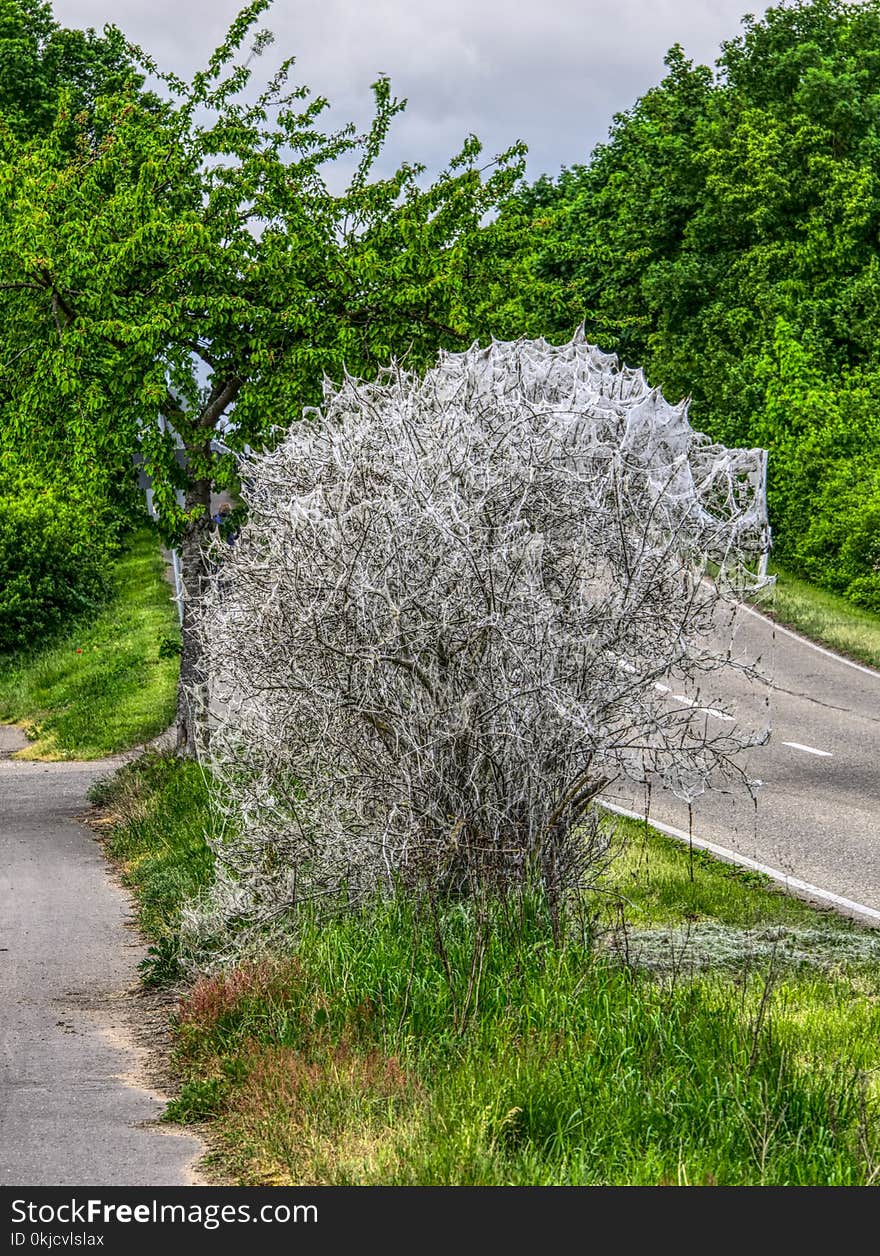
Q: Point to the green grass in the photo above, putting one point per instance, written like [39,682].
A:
[106,684]
[343,1064]
[358,1056]
[824,617]
[158,840]
[652,876]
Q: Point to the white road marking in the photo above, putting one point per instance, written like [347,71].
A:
[796,745]
[796,636]
[719,715]
[680,697]
[626,666]
[734,857]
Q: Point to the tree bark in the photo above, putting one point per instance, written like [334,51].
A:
[193,730]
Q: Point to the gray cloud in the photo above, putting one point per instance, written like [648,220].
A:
[552,74]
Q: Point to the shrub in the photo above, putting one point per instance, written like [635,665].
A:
[441,631]
[52,566]
[838,543]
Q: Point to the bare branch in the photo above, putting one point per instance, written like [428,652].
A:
[461,606]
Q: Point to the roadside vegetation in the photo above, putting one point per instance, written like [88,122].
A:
[678,1021]
[825,617]
[50,570]
[724,238]
[107,681]
[694,1031]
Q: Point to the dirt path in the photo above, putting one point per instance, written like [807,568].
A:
[73,1107]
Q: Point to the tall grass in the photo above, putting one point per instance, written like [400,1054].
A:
[342,1065]
[364,1054]
[155,815]
[107,683]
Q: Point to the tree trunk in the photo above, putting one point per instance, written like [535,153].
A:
[192,689]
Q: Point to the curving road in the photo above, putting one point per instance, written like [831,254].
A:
[817,819]
[70,1113]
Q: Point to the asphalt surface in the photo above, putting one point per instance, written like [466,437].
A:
[817,816]
[71,1109]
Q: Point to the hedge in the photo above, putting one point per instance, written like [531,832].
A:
[52,566]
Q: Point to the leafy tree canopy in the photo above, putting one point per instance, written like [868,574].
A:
[726,236]
[40,60]
[191,260]
[202,243]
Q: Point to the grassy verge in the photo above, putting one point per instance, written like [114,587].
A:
[825,618]
[155,814]
[708,1030]
[105,685]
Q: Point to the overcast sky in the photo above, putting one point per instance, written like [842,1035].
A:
[552,73]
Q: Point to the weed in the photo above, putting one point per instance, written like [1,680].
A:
[199,1099]
[160,965]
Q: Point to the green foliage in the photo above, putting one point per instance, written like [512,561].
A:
[49,73]
[726,238]
[40,61]
[52,566]
[147,248]
[102,684]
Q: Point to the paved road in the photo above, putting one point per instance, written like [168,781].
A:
[68,1116]
[818,812]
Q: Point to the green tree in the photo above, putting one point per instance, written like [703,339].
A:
[58,515]
[40,60]
[41,65]
[190,260]
[726,238]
